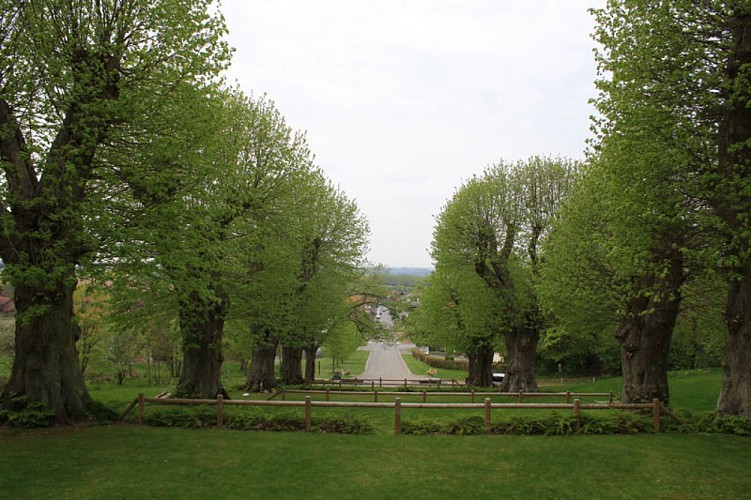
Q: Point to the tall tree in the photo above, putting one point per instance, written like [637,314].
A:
[731,199]
[672,91]
[493,226]
[71,75]
[334,239]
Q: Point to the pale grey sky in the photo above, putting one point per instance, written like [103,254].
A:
[404,99]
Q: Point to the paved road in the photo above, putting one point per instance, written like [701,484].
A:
[385,361]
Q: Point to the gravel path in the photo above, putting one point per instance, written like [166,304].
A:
[385,361]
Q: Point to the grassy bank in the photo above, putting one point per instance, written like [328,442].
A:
[120,462]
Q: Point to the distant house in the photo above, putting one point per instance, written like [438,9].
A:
[7,306]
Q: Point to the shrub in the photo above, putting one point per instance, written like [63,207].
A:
[724,424]
[467,426]
[257,421]
[446,362]
[28,415]
[422,427]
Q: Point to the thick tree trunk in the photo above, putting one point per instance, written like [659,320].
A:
[521,360]
[735,396]
[202,326]
[733,205]
[645,334]
[480,365]
[262,377]
[46,368]
[291,366]
[310,363]
[645,344]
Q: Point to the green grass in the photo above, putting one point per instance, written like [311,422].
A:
[142,462]
[130,461]
[419,368]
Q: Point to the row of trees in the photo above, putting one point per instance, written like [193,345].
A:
[655,233]
[126,161]
[486,248]
[664,204]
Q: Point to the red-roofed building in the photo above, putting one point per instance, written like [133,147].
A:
[7,306]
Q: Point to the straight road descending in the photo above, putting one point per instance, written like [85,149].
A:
[385,361]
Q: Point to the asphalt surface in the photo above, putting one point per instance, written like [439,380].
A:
[385,361]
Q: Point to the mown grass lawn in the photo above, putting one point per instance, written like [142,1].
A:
[130,461]
[143,462]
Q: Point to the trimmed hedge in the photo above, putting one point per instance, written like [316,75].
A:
[447,364]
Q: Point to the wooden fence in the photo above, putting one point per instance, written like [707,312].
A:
[389,382]
[520,396]
[397,405]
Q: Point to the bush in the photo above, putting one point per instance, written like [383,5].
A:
[100,412]
[422,427]
[555,424]
[28,415]
[447,362]
[724,424]
[196,418]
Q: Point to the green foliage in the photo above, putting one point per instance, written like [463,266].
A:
[551,424]
[192,418]
[7,343]
[28,414]
[724,424]
[486,249]
[446,362]
[101,413]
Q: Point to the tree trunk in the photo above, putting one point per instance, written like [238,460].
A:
[733,205]
[480,365]
[735,396]
[46,368]
[521,360]
[310,363]
[262,360]
[202,326]
[291,366]
[645,343]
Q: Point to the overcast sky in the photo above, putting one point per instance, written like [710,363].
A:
[403,100]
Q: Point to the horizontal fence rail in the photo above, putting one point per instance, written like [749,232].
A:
[388,382]
[576,406]
[521,395]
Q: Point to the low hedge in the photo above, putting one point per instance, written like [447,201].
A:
[447,364]
[197,418]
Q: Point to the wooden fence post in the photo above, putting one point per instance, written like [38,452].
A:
[397,416]
[308,412]
[219,410]
[472,397]
[521,396]
[380,381]
[284,394]
[487,415]
[424,396]
[140,408]
[568,397]
[375,396]
[405,383]
[577,414]
[656,414]
[372,385]
[328,394]
[610,400]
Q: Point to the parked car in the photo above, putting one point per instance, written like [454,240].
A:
[498,378]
